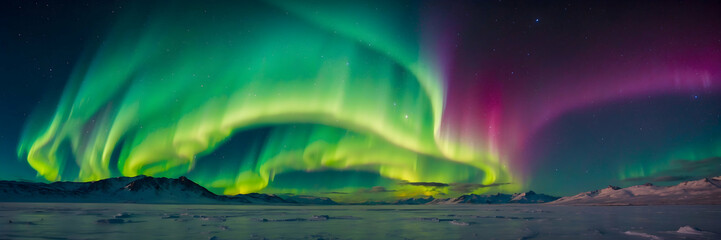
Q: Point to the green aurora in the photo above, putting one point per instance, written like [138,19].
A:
[160,93]
[363,100]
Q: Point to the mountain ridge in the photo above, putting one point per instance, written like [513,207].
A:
[697,192]
[499,198]
[139,189]
[143,189]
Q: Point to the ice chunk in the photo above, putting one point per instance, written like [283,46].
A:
[643,235]
[319,218]
[123,215]
[689,230]
[170,216]
[459,223]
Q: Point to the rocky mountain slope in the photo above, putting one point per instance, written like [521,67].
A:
[140,189]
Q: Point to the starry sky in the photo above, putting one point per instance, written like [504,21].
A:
[367,100]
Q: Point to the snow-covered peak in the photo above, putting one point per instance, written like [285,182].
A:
[703,191]
[527,197]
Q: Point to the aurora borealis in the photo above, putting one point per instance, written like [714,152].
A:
[364,100]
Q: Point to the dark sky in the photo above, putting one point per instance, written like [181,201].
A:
[41,40]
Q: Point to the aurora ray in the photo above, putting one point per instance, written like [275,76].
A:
[176,87]
[334,97]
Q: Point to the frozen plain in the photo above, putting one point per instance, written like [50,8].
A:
[509,221]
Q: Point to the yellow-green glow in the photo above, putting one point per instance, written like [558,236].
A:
[165,92]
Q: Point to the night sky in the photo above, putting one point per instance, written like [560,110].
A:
[373,100]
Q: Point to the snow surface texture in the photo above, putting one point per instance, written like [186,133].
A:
[459,221]
[699,192]
[643,235]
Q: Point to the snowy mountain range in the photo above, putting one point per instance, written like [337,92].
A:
[305,199]
[500,198]
[527,197]
[699,192]
[140,189]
